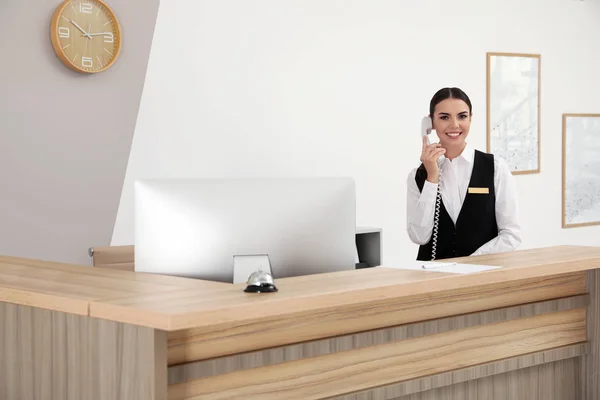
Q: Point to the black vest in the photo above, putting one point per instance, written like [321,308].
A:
[476,223]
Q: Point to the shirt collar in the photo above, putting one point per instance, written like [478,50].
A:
[468,154]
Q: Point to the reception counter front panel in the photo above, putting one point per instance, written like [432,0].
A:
[526,331]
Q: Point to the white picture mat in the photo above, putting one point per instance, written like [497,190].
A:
[513,110]
[581,170]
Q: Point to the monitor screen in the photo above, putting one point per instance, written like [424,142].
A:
[195,227]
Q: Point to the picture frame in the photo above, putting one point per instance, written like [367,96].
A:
[513,110]
[580,170]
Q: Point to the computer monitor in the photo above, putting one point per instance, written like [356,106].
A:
[195,227]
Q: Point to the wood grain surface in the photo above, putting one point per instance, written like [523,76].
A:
[304,325]
[297,351]
[114,257]
[552,381]
[545,375]
[340,292]
[77,332]
[172,303]
[50,355]
[360,369]
[590,366]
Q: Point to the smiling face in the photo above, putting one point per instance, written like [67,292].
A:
[452,120]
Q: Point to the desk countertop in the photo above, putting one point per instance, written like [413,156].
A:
[173,303]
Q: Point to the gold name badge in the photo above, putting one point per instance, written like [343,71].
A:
[481,190]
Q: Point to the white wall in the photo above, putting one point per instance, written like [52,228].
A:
[299,88]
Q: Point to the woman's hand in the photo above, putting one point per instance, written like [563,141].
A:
[429,156]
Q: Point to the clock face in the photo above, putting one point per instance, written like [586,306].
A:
[86,35]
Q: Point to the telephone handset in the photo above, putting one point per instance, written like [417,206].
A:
[426,128]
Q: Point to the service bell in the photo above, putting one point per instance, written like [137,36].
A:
[260,282]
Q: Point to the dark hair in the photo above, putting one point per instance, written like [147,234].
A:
[448,93]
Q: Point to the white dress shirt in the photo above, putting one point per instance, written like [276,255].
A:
[455,177]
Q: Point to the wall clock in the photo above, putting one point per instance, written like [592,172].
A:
[86,35]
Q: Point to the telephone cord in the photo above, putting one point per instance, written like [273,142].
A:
[436,217]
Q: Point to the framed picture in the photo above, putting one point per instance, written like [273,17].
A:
[513,110]
[580,170]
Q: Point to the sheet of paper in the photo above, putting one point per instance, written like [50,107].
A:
[452,268]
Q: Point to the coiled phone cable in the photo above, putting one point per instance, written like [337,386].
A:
[436,216]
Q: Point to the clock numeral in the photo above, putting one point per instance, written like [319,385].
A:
[64,32]
[109,37]
[85,8]
[87,62]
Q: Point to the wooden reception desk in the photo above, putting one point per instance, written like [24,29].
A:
[527,331]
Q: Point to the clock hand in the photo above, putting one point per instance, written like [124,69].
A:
[81,29]
[96,34]
[86,43]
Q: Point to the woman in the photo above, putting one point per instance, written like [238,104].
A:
[476,210]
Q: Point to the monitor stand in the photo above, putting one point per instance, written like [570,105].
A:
[245,265]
